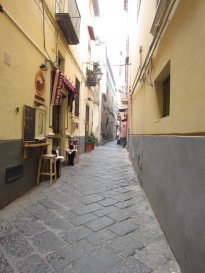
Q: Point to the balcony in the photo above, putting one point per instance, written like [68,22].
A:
[93,76]
[68,18]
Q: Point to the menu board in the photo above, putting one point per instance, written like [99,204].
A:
[29,124]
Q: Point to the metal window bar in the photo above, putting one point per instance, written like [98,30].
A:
[59,6]
[70,7]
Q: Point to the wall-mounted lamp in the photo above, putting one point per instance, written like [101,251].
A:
[17,109]
[98,73]
[44,66]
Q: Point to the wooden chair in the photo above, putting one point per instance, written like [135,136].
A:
[47,167]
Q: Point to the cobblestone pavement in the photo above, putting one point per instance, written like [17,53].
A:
[95,219]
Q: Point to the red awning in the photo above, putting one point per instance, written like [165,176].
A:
[91,33]
[68,84]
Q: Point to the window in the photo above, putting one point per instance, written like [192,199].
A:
[166,96]
[162,88]
[77,98]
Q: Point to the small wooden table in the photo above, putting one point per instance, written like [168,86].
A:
[28,146]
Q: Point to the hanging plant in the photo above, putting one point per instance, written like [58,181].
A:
[89,73]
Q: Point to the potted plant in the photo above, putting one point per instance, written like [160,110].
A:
[91,78]
[90,142]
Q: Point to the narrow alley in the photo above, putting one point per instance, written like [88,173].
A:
[95,219]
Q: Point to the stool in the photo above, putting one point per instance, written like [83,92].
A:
[46,160]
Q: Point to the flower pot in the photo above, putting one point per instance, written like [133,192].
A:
[89,148]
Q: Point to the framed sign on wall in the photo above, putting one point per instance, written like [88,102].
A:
[40,83]
[40,124]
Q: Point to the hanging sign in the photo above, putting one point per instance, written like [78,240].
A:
[40,83]
[57,87]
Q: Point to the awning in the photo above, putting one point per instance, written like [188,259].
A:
[68,83]
[61,81]
[91,33]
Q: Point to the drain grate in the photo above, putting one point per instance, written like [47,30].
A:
[13,173]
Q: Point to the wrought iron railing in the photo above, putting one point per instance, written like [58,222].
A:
[69,7]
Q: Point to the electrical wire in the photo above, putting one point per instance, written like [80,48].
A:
[44,34]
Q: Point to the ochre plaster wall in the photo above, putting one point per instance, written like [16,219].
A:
[17,80]
[27,53]
[180,45]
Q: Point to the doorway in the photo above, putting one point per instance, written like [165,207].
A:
[59,124]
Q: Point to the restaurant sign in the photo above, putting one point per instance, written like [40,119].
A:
[57,87]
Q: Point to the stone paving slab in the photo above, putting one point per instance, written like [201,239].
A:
[91,199]
[33,264]
[95,219]
[80,220]
[60,259]
[101,237]
[98,224]
[47,241]
[124,227]
[126,246]
[76,234]
[16,245]
[107,202]
[99,261]
[4,265]
[105,211]
[120,215]
[29,227]
[131,265]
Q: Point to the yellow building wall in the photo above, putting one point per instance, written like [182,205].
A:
[181,44]
[17,79]
[139,31]
[26,53]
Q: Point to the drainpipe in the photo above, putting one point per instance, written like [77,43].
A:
[44,35]
[153,44]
